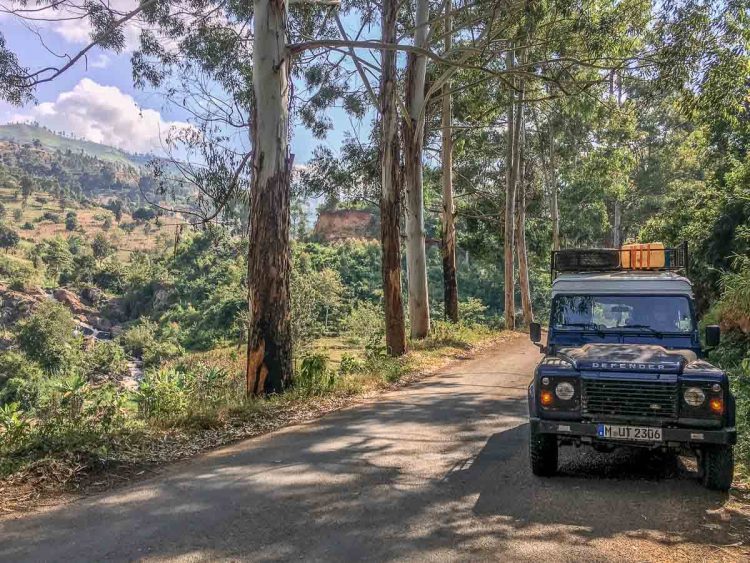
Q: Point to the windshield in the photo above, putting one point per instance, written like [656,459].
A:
[622,312]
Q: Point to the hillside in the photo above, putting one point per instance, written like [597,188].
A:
[76,169]
[21,133]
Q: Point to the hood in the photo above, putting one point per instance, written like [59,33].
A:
[643,358]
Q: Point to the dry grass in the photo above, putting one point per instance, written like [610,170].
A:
[140,453]
[91,221]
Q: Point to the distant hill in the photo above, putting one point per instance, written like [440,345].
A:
[75,168]
[21,133]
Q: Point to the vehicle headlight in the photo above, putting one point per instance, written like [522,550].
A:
[565,391]
[694,396]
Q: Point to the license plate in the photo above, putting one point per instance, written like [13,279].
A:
[631,433]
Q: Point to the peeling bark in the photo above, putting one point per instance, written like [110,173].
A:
[450,283]
[269,349]
[390,198]
[413,133]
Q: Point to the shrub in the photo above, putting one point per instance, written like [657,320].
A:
[71,221]
[16,268]
[316,300]
[105,359]
[19,379]
[50,216]
[27,226]
[162,395]
[111,275]
[74,415]
[349,364]
[8,238]
[56,256]
[144,214]
[146,341]
[101,247]
[48,337]
[17,214]
[472,311]
[14,428]
[172,395]
[313,376]
[365,322]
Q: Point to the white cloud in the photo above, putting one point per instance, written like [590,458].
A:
[100,61]
[104,114]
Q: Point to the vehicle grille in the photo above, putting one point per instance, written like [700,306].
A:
[629,398]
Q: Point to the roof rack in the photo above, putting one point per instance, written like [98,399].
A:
[650,257]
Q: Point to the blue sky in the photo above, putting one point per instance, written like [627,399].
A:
[98,102]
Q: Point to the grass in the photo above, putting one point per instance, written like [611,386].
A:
[72,450]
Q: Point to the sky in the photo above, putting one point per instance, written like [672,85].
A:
[97,100]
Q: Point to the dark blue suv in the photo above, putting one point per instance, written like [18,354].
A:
[623,365]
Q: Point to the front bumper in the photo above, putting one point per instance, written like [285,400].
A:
[586,433]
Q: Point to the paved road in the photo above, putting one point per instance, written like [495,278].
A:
[436,471]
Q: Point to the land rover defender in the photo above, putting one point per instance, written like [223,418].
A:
[623,363]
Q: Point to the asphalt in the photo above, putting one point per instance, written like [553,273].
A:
[435,471]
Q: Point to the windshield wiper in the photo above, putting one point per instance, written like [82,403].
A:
[652,330]
[590,326]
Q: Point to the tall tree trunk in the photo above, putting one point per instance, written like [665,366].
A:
[554,202]
[450,283]
[521,251]
[413,132]
[617,223]
[390,198]
[510,206]
[269,349]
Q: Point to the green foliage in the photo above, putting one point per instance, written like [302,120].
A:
[105,359]
[14,428]
[71,221]
[51,217]
[181,394]
[8,237]
[56,256]
[365,322]
[472,311]
[316,304]
[18,271]
[313,376]
[101,247]
[150,342]
[20,379]
[350,365]
[733,354]
[48,338]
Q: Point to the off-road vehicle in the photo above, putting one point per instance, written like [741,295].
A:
[623,363]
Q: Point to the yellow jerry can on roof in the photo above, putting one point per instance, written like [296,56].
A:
[642,256]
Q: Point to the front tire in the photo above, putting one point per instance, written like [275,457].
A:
[717,467]
[543,454]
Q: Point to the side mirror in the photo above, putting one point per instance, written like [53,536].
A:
[713,336]
[535,332]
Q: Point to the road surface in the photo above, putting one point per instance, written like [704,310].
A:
[436,471]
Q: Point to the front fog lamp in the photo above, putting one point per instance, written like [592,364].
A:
[565,391]
[694,396]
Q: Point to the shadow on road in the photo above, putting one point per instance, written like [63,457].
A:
[398,478]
